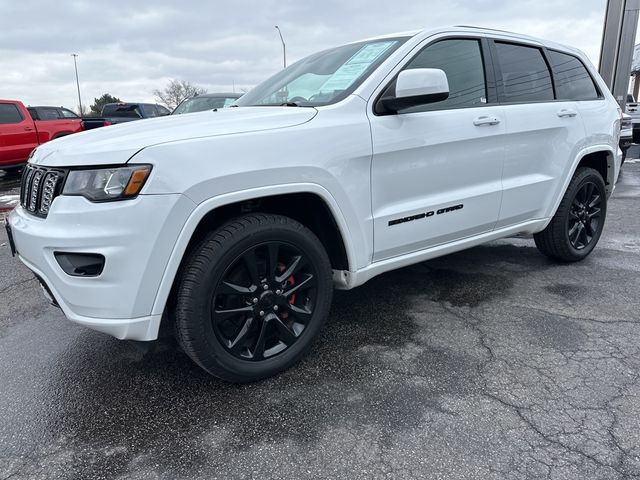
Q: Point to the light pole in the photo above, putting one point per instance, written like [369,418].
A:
[75,64]
[284,47]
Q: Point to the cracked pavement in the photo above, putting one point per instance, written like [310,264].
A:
[492,363]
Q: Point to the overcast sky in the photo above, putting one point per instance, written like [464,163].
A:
[128,48]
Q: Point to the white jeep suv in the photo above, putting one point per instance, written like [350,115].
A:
[234,225]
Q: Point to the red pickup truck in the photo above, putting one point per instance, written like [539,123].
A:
[22,130]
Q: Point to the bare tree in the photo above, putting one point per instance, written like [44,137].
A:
[84,112]
[176,91]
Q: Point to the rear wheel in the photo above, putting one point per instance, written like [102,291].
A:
[253,297]
[577,225]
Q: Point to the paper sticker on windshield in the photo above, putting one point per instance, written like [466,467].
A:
[351,70]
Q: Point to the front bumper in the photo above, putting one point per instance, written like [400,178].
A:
[136,237]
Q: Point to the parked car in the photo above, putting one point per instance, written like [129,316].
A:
[22,130]
[632,109]
[206,101]
[233,226]
[113,113]
[626,135]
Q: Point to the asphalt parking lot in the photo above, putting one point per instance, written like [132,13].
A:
[493,363]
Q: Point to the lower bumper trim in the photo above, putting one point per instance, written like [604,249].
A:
[47,291]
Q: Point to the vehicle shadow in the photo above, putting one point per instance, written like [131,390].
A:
[106,392]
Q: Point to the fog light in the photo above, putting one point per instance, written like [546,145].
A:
[80,264]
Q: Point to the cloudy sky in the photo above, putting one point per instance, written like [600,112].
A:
[128,48]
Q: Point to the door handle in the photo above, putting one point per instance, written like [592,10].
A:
[566,113]
[28,129]
[486,120]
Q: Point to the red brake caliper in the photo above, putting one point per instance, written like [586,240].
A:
[291,281]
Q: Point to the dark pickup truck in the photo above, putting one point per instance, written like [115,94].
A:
[113,113]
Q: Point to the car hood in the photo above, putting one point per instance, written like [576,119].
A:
[118,143]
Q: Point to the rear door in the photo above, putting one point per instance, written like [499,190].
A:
[48,122]
[543,132]
[69,121]
[18,136]
[575,83]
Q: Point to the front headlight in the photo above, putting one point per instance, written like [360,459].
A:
[110,183]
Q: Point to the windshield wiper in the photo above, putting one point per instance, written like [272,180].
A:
[290,104]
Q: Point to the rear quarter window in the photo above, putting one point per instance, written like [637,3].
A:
[573,81]
[9,113]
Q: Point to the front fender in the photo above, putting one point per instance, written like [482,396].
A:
[211,204]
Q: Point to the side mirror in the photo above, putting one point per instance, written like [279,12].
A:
[418,86]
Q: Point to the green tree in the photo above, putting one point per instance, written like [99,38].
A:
[100,102]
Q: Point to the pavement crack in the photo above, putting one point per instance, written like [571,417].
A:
[583,319]
[13,285]
[519,412]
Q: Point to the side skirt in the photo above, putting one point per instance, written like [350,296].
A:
[345,280]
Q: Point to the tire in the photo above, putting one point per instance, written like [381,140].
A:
[233,323]
[577,225]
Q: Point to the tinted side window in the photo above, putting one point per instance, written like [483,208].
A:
[462,61]
[162,111]
[9,113]
[150,110]
[64,113]
[573,82]
[48,114]
[525,74]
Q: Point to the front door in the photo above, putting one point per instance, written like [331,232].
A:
[18,136]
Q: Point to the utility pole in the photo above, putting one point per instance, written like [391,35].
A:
[616,54]
[75,64]
[284,47]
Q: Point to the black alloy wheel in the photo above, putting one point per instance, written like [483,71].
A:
[252,296]
[264,301]
[585,215]
[577,224]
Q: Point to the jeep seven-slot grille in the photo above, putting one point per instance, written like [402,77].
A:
[40,185]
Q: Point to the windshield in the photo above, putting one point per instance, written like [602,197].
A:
[200,104]
[322,78]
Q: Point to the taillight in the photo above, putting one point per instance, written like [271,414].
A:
[107,123]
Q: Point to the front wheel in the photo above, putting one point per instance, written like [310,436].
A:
[252,297]
[577,225]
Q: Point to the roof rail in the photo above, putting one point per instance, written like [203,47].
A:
[485,28]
